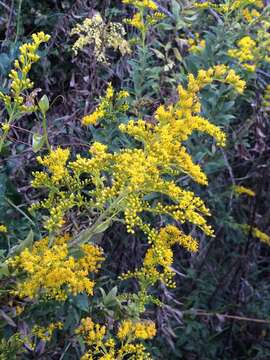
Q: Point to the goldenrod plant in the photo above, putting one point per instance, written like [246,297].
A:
[140,220]
[125,344]
[17,99]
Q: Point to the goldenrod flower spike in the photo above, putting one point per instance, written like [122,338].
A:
[146,16]
[111,103]
[15,99]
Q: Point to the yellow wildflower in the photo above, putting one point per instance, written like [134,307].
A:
[245,53]
[257,233]
[5,127]
[136,330]
[55,162]
[93,333]
[124,329]
[52,272]
[20,82]
[147,14]
[109,105]
[136,21]
[261,235]
[196,45]
[149,4]
[244,190]
[119,183]
[45,332]
[92,119]
[144,330]
[3,228]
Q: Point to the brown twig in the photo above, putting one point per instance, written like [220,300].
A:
[199,312]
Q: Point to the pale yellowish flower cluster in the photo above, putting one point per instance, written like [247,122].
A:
[111,104]
[244,190]
[103,347]
[94,31]
[53,273]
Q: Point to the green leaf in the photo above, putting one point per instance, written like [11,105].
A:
[4,63]
[27,243]
[4,271]
[37,142]
[176,8]
[82,302]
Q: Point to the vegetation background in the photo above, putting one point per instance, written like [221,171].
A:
[220,306]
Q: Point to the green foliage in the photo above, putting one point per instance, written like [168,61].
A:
[229,275]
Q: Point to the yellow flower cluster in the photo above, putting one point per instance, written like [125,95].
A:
[103,347]
[250,14]
[249,52]
[196,45]
[5,127]
[118,184]
[45,332]
[53,273]
[94,333]
[263,40]
[229,7]
[261,236]
[135,173]
[148,4]
[94,31]
[15,100]
[55,163]
[137,22]
[245,53]
[257,233]
[159,257]
[243,190]
[19,75]
[3,228]
[142,20]
[266,99]
[109,106]
[136,330]
[239,4]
